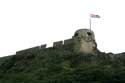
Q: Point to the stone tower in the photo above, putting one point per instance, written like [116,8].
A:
[84,41]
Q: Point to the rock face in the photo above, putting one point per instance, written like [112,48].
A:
[84,41]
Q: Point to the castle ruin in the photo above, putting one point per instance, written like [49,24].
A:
[83,41]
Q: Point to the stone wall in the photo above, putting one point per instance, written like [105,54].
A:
[57,44]
[68,41]
[43,46]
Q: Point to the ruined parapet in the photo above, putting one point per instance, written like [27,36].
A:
[84,41]
[58,44]
[68,44]
[43,46]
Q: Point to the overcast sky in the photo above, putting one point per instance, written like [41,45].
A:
[29,23]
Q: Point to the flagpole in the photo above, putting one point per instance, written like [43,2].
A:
[90,19]
[90,23]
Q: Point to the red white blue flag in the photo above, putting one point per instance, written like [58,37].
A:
[94,16]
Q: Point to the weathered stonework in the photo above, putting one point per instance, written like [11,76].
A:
[84,41]
[68,41]
[58,44]
[42,46]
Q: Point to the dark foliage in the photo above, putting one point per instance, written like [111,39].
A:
[61,65]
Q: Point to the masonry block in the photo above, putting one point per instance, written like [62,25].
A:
[68,41]
[58,44]
[43,46]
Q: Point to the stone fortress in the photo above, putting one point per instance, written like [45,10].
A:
[83,41]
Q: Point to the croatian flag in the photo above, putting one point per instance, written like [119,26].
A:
[94,16]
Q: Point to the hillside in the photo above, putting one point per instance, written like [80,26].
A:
[54,65]
[77,60]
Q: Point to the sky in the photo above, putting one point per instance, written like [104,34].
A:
[29,23]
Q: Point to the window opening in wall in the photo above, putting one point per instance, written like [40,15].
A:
[89,33]
[76,34]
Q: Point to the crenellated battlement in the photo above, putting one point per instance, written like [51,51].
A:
[57,44]
[83,41]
